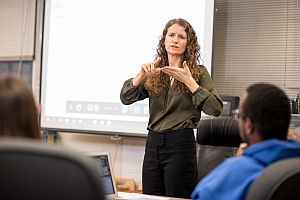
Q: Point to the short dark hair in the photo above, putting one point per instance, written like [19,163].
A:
[18,111]
[268,107]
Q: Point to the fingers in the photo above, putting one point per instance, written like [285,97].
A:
[177,72]
[156,63]
[186,69]
[146,69]
[171,71]
[151,68]
[241,149]
[184,64]
[243,145]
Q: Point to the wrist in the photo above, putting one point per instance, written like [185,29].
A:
[192,85]
[137,79]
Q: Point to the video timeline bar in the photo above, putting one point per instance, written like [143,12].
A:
[107,108]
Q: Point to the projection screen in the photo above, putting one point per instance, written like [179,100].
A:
[90,47]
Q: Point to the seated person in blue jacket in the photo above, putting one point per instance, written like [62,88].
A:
[264,117]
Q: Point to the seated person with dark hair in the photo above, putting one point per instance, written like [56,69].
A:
[18,111]
[264,117]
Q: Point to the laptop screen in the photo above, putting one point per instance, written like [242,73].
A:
[102,163]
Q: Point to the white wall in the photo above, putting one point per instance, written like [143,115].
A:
[126,152]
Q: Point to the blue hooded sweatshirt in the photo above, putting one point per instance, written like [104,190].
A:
[232,178]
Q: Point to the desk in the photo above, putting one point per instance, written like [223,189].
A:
[127,195]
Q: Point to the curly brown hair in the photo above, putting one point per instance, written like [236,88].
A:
[158,83]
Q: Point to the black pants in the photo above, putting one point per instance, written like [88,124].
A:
[170,164]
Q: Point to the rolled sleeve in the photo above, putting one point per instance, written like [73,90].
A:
[206,97]
[130,93]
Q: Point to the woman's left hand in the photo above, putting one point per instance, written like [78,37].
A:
[183,75]
[180,74]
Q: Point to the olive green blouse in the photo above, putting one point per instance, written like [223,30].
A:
[171,111]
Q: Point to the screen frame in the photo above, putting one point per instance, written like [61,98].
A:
[74,130]
[234,103]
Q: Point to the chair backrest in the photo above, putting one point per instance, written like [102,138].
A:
[33,170]
[219,131]
[218,139]
[278,181]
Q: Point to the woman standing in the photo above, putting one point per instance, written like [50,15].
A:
[178,88]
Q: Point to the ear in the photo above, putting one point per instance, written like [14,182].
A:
[249,126]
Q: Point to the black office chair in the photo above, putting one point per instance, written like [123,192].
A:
[278,181]
[218,139]
[35,171]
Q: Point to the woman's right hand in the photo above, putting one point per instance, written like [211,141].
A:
[150,68]
[147,70]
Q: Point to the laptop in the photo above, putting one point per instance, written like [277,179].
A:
[103,163]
